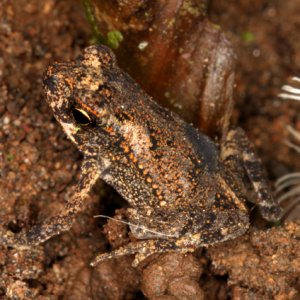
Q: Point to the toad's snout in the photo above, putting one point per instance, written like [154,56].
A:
[56,79]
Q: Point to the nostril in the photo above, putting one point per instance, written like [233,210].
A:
[50,83]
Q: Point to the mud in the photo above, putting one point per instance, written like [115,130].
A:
[39,166]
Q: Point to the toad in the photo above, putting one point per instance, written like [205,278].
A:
[184,191]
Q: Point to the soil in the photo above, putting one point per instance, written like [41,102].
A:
[39,166]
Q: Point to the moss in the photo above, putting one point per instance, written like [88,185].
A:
[10,156]
[248,37]
[114,38]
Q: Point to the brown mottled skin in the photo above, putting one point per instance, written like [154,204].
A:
[181,194]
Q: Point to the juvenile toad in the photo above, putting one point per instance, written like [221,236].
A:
[183,192]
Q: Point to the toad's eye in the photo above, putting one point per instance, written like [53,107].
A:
[81,116]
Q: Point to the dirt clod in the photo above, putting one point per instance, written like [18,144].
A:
[39,166]
[266,262]
[173,275]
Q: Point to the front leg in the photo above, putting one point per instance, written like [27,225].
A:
[239,155]
[63,222]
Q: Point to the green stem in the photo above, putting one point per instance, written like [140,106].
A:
[90,15]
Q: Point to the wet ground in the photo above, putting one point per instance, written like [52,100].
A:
[39,166]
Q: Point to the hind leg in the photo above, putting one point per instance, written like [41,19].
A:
[232,228]
[141,249]
[239,155]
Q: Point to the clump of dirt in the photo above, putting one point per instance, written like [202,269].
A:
[39,165]
[172,276]
[262,264]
